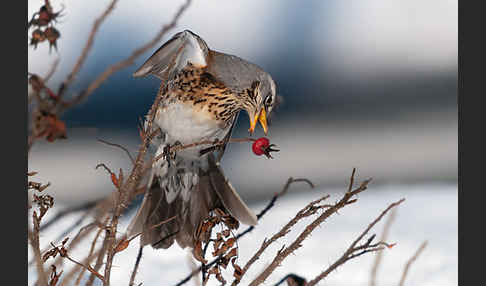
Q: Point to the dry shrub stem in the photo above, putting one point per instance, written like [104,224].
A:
[109,71]
[84,207]
[350,253]
[91,250]
[87,267]
[70,275]
[308,210]
[51,71]
[34,242]
[312,207]
[379,254]
[135,267]
[121,147]
[410,261]
[285,189]
[87,47]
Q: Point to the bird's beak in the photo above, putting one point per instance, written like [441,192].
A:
[262,117]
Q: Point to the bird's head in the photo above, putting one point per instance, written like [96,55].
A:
[259,101]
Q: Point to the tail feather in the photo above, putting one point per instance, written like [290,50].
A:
[211,191]
[228,195]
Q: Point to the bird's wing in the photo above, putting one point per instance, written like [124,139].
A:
[183,48]
[227,137]
[228,195]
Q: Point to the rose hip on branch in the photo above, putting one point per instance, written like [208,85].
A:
[262,146]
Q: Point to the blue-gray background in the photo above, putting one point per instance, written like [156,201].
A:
[367,84]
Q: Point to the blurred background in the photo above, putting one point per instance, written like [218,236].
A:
[369,84]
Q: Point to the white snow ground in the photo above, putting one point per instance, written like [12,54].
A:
[429,213]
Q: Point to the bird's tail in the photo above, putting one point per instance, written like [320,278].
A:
[212,190]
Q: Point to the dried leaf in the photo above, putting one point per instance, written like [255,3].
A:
[54,276]
[204,231]
[198,253]
[219,212]
[219,240]
[230,242]
[122,245]
[62,251]
[42,188]
[232,253]
[231,222]
[114,180]
[65,241]
[238,271]
[220,279]
[51,253]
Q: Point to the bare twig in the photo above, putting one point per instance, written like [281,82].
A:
[379,254]
[286,187]
[91,250]
[66,232]
[34,242]
[135,268]
[44,202]
[87,267]
[351,180]
[119,146]
[350,253]
[87,47]
[52,70]
[274,199]
[410,261]
[176,148]
[281,255]
[308,210]
[99,262]
[128,61]
[68,277]
[63,213]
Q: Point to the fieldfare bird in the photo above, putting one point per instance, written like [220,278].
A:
[203,92]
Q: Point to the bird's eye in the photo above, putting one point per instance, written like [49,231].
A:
[268,100]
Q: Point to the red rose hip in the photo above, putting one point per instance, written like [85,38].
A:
[260,145]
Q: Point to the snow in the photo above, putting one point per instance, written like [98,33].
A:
[428,213]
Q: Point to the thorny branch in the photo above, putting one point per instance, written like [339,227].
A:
[347,199]
[350,253]
[285,189]
[62,251]
[90,254]
[308,210]
[274,199]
